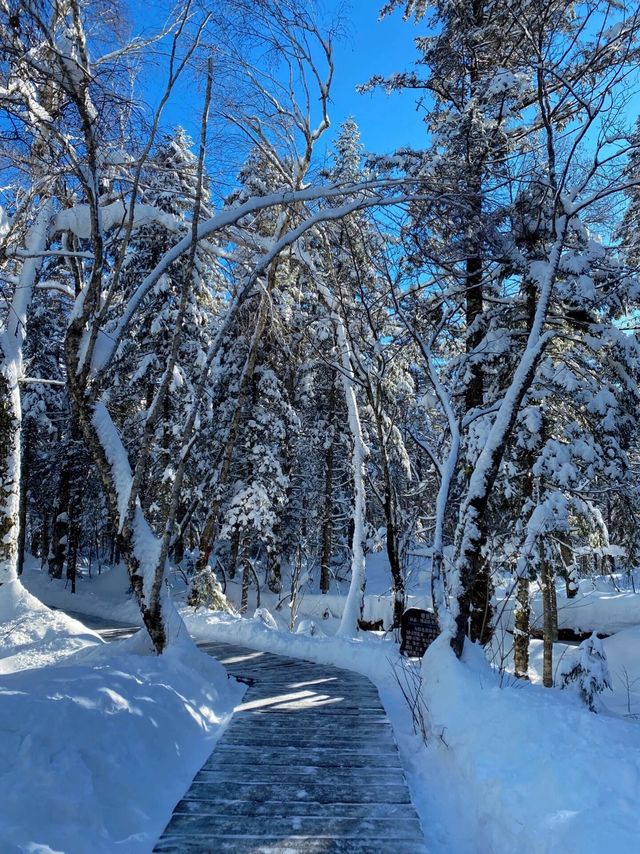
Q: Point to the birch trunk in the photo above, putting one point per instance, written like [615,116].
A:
[327,520]
[393,554]
[11,342]
[22,515]
[354,606]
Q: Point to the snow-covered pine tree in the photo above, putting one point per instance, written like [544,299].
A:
[588,673]
[168,186]
[471,69]
[484,58]
[360,288]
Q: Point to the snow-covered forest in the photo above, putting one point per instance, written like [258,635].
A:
[266,385]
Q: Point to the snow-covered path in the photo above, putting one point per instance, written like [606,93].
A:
[109,629]
[308,764]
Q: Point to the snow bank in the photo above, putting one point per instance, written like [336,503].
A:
[31,635]
[598,606]
[97,746]
[623,656]
[540,773]
[103,595]
[368,654]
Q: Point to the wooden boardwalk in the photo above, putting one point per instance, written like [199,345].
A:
[307,764]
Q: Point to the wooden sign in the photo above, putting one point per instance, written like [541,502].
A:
[419,629]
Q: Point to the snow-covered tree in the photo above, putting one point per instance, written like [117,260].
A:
[497,86]
[588,674]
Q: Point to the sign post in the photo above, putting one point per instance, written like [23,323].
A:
[418,630]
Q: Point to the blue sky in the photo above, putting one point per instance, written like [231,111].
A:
[368,47]
[377,47]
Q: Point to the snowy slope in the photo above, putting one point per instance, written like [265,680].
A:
[540,773]
[98,742]
[103,595]
[604,604]
[31,635]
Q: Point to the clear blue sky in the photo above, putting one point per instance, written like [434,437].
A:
[377,47]
[369,47]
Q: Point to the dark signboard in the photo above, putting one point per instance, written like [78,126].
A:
[419,628]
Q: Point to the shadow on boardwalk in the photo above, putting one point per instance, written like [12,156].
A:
[308,764]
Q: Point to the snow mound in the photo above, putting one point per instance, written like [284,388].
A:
[104,595]
[541,773]
[623,655]
[94,754]
[31,635]
[366,654]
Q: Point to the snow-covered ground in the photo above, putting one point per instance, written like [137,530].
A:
[97,742]
[102,595]
[507,765]
[540,773]
[105,595]
[605,604]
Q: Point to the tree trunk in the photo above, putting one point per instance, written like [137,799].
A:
[98,431]
[393,555]
[476,609]
[522,630]
[44,540]
[474,392]
[472,526]
[206,538]
[9,473]
[72,554]
[327,520]
[233,553]
[22,513]
[354,606]
[548,628]
[553,604]
[274,572]
[244,594]
[75,503]
[566,563]
[11,341]
[60,533]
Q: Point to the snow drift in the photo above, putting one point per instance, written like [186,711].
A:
[98,742]
[541,773]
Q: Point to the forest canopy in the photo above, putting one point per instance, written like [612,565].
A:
[269,351]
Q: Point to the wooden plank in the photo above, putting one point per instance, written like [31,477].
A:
[213,827]
[287,808]
[300,845]
[293,739]
[244,757]
[329,776]
[309,791]
[254,731]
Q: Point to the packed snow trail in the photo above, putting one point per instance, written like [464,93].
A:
[307,764]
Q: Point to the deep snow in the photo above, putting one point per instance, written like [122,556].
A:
[507,766]
[604,603]
[97,742]
[540,773]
